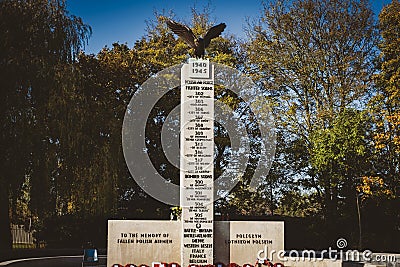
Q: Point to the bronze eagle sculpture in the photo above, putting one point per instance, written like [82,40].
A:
[198,44]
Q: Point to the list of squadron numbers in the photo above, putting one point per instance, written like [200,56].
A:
[197,155]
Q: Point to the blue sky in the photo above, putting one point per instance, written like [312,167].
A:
[124,21]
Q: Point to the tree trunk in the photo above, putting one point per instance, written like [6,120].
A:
[331,215]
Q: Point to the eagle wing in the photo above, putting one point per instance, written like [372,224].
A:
[184,32]
[213,32]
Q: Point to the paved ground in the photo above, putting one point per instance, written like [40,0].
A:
[61,261]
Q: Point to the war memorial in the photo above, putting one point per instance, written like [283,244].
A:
[195,239]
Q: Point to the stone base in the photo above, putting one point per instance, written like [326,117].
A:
[147,241]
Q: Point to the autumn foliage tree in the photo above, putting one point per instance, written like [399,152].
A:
[381,189]
[385,106]
[315,59]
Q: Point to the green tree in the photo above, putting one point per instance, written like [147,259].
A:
[39,38]
[296,204]
[111,77]
[315,58]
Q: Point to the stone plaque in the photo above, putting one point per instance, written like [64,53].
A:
[240,242]
[143,242]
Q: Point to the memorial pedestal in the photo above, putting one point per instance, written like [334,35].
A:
[147,241]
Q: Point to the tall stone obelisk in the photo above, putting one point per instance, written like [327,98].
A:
[196,162]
